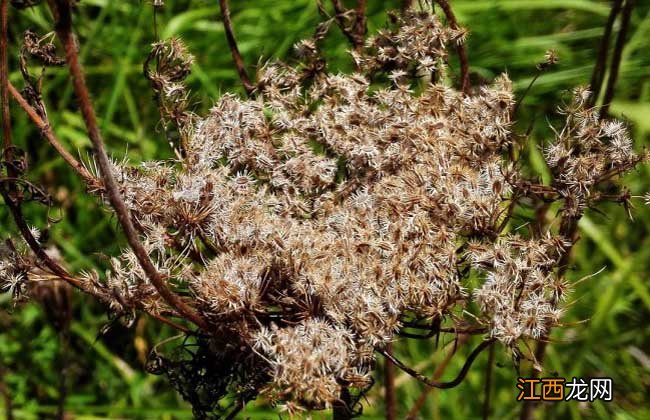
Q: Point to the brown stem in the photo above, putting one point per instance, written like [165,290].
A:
[360,23]
[63,13]
[569,230]
[440,370]
[434,383]
[234,50]
[616,56]
[526,92]
[341,409]
[57,269]
[389,387]
[540,352]
[36,248]
[4,92]
[6,396]
[46,131]
[599,69]
[406,5]
[14,206]
[460,48]
[356,33]
[488,383]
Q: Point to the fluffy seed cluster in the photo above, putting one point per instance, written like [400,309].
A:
[312,220]
[13,271]
[587,151]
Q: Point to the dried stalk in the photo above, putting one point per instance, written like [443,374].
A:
[615,65]
[405,5]
[12,200]
[599,70]
[488,383]
[6,396]
[389,387]
[4,86]
[360,22]
[234,49]
[460,47]
[46,131]
[341,409]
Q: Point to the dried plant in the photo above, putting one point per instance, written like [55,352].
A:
[306,227]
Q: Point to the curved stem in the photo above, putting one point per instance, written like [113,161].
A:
[436,384]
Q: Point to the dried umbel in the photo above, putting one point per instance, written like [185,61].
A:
[315,220]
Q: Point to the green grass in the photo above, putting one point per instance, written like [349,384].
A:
[606,332]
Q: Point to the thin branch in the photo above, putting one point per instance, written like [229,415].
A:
[14,206]
[461,339]
[436,329]
[356,32]
[360,22]
[434,383]
[389,387]
[57,269]
[488,383]
[234,50]
[169,322]
[406,5]
[460,47]
[63,14]
[598,75]
[46,131]
[6,396]
[4,83]
[616,56]
[341,409]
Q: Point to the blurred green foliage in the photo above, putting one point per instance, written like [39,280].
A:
[606,329]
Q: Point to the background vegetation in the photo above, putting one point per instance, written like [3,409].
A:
[607,331]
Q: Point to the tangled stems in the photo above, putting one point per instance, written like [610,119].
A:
[310,223]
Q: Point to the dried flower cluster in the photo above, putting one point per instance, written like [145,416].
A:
[310,222]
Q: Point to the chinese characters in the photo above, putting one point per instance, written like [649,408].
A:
[559,389]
